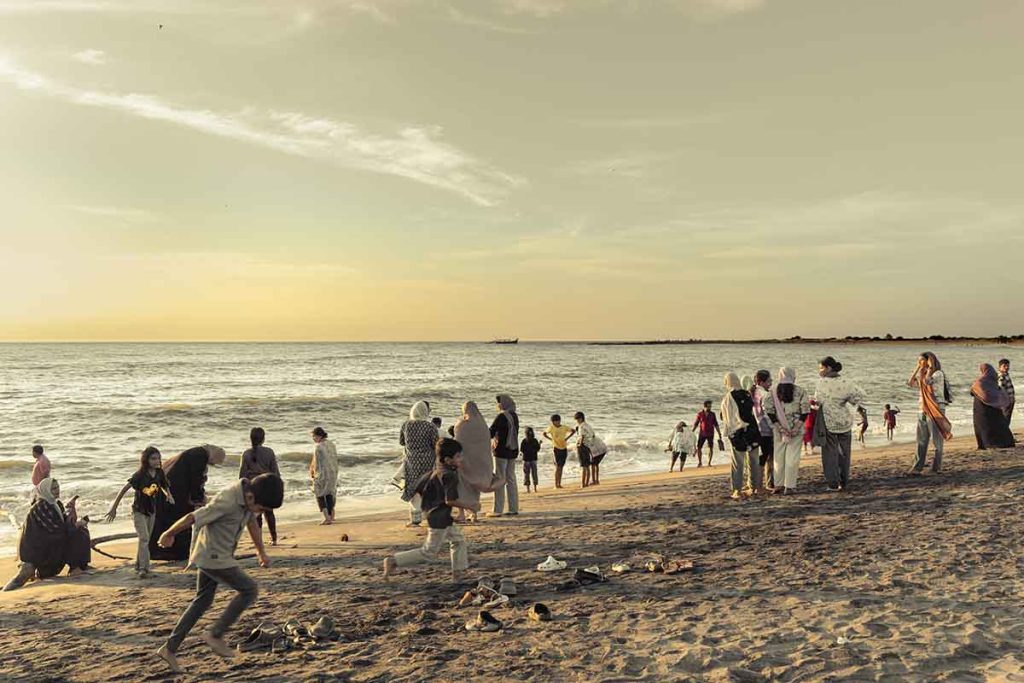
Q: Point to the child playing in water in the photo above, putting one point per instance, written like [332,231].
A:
[862,423]
[530,448]
[889,416]
[150,484]
[440,493]
[680,445]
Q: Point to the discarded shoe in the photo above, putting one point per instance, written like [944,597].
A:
[508,587]
[539,612]
[621,567]
[551,565]
[484,623]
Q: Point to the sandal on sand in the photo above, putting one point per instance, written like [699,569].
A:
[551,565]
[677,566]
[485,623]
[621,567]
[498,600]
[260,638]
[294,629]
[586,577]
[485,582]
[280,645]
[539,612]
[323,628]
[508,587]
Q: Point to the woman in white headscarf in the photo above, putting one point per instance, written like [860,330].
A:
[418,437]
[51,538]
[740,425]
[476,475]
[787,406]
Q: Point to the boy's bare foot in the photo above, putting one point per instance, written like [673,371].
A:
[218,646]
[172,661]
[389,567]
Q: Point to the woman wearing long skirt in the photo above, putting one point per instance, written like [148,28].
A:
[186,475]
[323,472]
[740,425]
[418,436]
[835,395]
[787,406]
[990,402]
[476,475]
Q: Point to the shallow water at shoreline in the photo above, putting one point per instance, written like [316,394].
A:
[95,406]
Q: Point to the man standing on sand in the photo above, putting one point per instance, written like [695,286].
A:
[708,423]
[1006,384]
[220,525]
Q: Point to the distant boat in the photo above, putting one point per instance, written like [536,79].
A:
[505,341]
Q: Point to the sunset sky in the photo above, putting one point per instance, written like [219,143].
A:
[549,169]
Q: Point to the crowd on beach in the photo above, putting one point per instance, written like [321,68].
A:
[769,424]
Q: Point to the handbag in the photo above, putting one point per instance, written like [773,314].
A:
[820,434]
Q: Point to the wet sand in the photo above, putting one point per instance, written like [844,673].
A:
[899,579]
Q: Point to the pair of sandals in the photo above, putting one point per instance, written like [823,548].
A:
[486,596]
[668,567]
[292,635]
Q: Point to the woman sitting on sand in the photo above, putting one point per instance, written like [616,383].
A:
[787,406]
[476,475]
[323,471]
[418,436]
[740,425]
[990,402]
[186,475]
[52,538]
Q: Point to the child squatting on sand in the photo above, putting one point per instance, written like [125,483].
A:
[440,493]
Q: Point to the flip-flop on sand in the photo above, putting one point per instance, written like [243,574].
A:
[539,612]
[621,567]
[260,638]
[484,623]
[586,577]
[498,600]
[678,566]
[551,565]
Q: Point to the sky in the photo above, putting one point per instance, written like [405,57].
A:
[546,169]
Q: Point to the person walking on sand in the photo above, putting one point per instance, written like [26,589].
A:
[418,437]
[707,423]
[531,449]
[990,400]
[833,396]
[151,489]
[889,417]
[761,392]
[932,425]
[219,525]
[787,406]
[680,444]
[559,436]
[744,436]
[476,475]
[323,472]
[256,461]
[439,494]
[505,446]
[1006,384]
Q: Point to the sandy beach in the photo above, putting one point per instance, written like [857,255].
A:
[899,579]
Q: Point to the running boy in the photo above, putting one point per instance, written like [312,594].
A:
[889,417]
[220,523]
[440,492]
[708,423]
[559,434]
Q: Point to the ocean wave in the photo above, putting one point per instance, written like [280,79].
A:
[15,465]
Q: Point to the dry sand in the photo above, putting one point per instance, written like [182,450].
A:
[898,579]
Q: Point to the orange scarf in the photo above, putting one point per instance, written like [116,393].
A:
[931,409]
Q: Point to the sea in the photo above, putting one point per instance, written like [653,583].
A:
[95,406]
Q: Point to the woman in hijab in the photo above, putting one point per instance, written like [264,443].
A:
[476,475]
[505,446]
[739,424]
[787,407]
[323,472]
[990,402]
[52,538]
[186,475]
[418,436]
[834,396]
[932,425]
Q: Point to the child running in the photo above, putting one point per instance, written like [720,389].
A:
[530,448]
[680,445]
[220,523]
[150,484]
[440,493]
[559,435]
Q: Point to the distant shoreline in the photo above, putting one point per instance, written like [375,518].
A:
[1016,340]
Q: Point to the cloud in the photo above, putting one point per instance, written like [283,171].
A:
[414,152]
[628,165]
[93,57]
